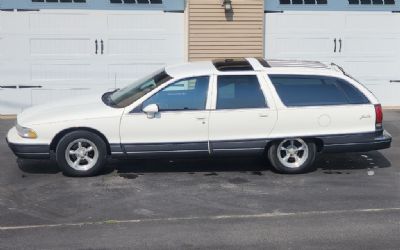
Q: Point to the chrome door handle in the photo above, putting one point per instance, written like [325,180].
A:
[334,49]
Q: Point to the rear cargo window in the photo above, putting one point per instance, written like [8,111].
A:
[354,96]
[296,90]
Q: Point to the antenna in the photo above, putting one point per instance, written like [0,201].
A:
[115,80]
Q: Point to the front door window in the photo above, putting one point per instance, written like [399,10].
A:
[185,94]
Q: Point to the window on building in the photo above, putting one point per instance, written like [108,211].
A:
[59,1]
[375,2]
[303,1]
[186,94]
[316,91]
[136,1]
[239,92]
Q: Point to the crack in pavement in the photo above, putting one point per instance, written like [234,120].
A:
[216,217]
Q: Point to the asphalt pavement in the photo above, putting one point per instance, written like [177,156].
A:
[351,201]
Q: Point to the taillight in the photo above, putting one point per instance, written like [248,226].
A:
[379,116]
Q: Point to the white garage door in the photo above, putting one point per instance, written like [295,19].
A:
[366,44]
[51,54]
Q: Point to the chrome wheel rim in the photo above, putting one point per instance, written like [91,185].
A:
[292,153]
[81,154]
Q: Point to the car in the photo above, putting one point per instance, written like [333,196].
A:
[287,110]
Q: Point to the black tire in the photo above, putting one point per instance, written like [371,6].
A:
[304,167]
[86,137]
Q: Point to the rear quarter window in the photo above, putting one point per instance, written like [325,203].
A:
[296,90]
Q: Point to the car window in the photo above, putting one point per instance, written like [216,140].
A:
[133,92]
[353,95]
[312,90]
[239,92]
[186,94]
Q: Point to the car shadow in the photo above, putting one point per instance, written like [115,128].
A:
[328,163]
[38,166]
[344,162]
[208,166]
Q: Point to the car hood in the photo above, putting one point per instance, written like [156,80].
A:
[80,108]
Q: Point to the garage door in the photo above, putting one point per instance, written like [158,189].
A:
[366,44]
[51,54]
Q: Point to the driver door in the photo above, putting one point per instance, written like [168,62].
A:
[180,127]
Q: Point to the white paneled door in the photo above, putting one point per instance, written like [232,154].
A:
[51,54]
[366,44]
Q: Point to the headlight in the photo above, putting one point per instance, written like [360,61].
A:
[26,132]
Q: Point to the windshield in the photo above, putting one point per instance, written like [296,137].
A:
[132,92]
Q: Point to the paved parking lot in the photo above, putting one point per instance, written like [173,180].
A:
[350,201]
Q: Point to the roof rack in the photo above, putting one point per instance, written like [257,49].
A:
[232,65]
[274,63]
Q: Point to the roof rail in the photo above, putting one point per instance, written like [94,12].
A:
[296,63]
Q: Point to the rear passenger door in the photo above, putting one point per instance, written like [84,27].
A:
[243,114]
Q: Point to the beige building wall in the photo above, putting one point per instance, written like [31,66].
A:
[214,33]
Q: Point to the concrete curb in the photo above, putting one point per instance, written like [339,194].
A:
[391,107]
[8,117]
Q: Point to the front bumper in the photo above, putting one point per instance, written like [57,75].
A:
[27,148]
[357,142]
[30,151]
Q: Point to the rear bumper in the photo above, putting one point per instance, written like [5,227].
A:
[30,151]
[357,142]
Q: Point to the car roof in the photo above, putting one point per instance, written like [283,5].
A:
[273,66]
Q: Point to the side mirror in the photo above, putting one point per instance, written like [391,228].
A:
[151,110]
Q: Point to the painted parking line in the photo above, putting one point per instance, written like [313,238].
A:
[217,217]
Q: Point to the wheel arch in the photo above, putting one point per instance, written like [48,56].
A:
[61,134]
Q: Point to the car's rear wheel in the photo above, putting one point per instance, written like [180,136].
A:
[292,156]
[81,153]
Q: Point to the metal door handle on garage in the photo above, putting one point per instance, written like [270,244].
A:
[334,42]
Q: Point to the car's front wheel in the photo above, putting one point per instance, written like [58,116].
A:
[292,156]
[81,153]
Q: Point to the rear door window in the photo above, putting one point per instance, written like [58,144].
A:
[297,90]
[239,92]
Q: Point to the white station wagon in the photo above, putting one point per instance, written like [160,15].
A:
[287,110]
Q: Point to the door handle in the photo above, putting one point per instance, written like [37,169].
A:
[97,46]
[340,45]
[394,80]
[334,42]
[263,115]
[102,47]
[202,120]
